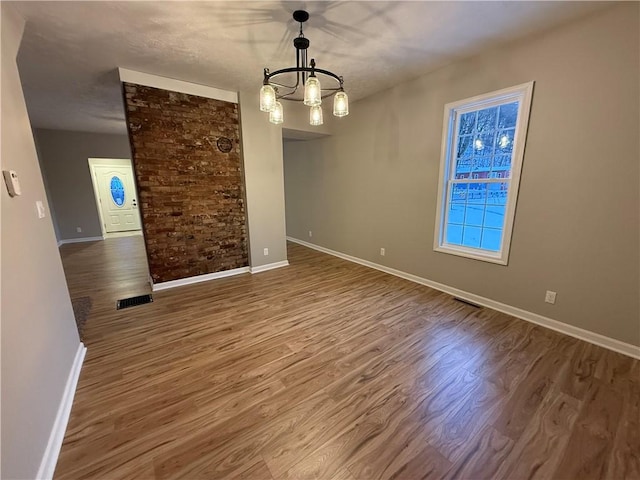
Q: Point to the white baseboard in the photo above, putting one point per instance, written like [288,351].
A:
[269,266]
[199,278]
[80,240]
[586,335]
[50,458]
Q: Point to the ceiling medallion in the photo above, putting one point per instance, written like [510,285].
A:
[273,90]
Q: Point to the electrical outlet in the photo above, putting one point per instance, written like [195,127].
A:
[382,252]
[550,297]
[266,252]
[310,233]
[79,229]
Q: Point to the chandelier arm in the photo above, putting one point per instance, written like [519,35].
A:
[303,69]
[285,95]
[282,85]
[331,92]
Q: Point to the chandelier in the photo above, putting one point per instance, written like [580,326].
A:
[274,89]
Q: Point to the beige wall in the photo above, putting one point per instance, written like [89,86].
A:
[374,183]
[39,337]
[64,157]
[263,169]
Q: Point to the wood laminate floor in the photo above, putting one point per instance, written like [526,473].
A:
[329,370]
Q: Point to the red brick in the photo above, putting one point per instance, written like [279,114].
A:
[191,194]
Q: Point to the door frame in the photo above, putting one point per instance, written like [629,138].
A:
[108,162]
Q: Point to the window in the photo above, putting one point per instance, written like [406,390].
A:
[482,150]
[117,191]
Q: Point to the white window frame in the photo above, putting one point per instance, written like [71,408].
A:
[452,112]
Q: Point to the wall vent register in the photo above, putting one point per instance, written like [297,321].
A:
[133,301]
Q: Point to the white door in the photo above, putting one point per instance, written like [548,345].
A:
[118,201]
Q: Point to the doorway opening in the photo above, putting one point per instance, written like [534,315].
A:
[99,273]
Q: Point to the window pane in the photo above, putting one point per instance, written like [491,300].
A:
[465,149]
[471,237]
[465,154]
[459,192]
[487,119]
[117,191]
[497,193]
[508,115]
[502,165]
[503,152]
[477,193]
[467,123]
[504,142]
[483,151]
[474,215]
[491,239]
[475,209]
[454,234]
[456,213]
[494,216]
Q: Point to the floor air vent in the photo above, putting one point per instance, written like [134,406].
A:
[133,301]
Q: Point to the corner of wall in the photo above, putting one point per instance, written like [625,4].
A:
[264,177]
[39,338]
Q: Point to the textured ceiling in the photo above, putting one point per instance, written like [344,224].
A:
[71,50]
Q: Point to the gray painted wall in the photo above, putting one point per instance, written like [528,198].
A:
[296,118]
[263,170]
[64,156]
[374,183]
[46,188]
[39,336]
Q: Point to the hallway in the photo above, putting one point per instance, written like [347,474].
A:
[105,271]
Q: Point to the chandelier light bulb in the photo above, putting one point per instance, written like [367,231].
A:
[341,104]
[277,114]
[312,92]
[267,98]
[315,115]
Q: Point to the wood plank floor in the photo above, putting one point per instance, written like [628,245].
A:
[330,370]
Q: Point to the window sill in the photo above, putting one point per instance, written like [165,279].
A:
[473,254]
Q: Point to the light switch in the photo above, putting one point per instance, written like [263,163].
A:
[40,208]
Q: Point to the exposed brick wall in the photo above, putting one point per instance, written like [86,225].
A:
[191,194]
